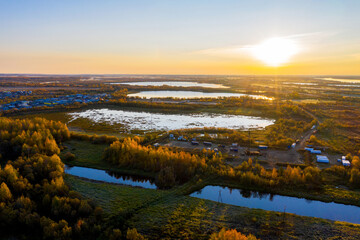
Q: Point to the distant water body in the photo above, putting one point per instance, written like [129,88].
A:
[192,94]
[174,84]
[344,80]
[133,120]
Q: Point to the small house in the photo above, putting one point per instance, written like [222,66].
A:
[322,159]
[345,163]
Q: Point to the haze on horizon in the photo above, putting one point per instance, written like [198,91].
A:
[180,37]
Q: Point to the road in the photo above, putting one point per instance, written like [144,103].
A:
[308,133]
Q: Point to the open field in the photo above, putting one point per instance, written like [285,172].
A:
[166,214]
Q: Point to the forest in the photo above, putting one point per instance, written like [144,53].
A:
[33,194]
[35,198]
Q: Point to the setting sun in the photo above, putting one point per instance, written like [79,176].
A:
[275,52]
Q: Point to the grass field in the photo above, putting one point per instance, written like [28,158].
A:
[169,214]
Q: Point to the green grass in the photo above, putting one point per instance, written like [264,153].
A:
[170,215]
[114,199]
[85,152]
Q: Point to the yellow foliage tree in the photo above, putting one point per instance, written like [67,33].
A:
[231,234]
[5,194]
[132,234]
[356,162]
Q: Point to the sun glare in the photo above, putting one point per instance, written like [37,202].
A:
[275,52]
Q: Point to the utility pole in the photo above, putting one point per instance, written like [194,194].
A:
[220,197]
[249,141]
[284,214]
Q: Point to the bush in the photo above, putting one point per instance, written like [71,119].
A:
[69,156]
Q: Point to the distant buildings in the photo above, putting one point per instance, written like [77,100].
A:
[51,102]
[14,94]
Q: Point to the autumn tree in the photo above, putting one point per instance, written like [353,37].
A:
[5,194]
[132,234]
[356,162]
[231,234]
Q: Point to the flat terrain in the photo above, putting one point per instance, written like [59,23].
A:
[169,214]
[173,214]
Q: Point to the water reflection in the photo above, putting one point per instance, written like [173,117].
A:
[300,206]
[174,84]
[111,177]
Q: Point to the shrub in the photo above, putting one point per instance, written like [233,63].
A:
[69,156]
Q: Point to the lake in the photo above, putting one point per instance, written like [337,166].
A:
[345,85]
[174,84]
[110,177]
[192,94]
[134,120]
[300,83]
[344,80]
[299,206]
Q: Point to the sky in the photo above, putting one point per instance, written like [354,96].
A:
[179,37]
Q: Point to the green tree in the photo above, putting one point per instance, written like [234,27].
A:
[166,178]
[355,178]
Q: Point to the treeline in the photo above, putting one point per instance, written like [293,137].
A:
[96,139]
[178,165]
[250,174]
[308,177]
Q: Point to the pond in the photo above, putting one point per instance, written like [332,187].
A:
[133,120]
[110,177]
[299,206]
[174,84]
[192,94]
